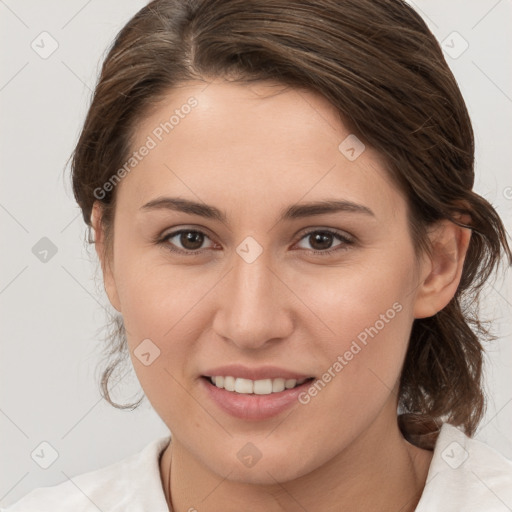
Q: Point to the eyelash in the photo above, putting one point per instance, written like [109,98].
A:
[346,241]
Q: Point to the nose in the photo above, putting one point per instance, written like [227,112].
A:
[254,306]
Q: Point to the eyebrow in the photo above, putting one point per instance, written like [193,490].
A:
[296,211]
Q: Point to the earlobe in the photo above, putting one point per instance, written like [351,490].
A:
[442,273]
[106,265]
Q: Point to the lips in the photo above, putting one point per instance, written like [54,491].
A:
[256,393]
[257,373]
[252,407]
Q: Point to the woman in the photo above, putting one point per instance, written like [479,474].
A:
[281,198]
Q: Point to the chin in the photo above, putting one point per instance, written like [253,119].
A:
[262,476]
[263,472]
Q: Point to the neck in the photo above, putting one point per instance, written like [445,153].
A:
[380,471]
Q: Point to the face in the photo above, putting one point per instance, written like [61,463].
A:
[252,279]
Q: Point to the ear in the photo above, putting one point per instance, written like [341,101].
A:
[441,271]
[106,265]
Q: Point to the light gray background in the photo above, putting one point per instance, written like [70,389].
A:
[51,312]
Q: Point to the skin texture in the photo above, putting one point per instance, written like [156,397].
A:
[252,151]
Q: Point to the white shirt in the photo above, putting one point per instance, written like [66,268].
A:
[465,475]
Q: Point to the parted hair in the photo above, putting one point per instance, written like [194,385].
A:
[383,70]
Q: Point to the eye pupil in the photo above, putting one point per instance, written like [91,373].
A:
[321,241]
[191,240]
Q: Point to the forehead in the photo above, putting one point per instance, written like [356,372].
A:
[261,143]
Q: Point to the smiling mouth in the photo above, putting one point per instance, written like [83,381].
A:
[255,387]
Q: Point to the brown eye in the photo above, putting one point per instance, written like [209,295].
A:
[321,241]
[191,240]
[185,240]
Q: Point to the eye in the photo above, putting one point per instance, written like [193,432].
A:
[186,241]
[321,241]
[190,241]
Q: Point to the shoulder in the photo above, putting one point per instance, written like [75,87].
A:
[132,484]
[466,474]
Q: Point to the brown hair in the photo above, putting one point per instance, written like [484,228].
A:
[381,67]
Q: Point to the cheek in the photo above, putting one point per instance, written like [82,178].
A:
[159,304]
[160,310]
[368,313]
[156,296]
[351,298]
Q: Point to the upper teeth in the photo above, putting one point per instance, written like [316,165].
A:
[258,387]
